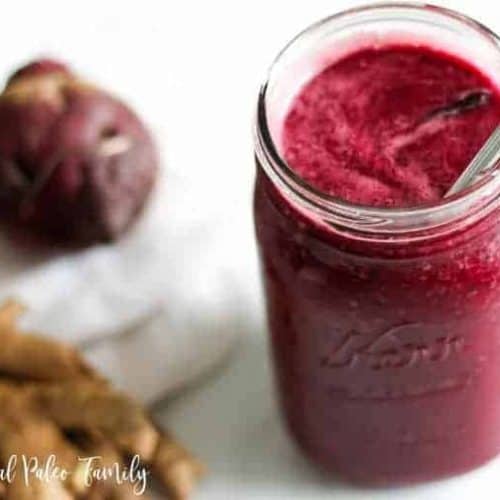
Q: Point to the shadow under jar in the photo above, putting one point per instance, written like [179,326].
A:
[385,323]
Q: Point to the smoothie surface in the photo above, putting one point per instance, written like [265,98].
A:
[390,127]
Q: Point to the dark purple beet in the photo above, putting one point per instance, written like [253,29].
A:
[76,164]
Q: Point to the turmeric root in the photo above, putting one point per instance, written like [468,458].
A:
[49,395]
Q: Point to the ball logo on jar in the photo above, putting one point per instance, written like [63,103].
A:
[398,347]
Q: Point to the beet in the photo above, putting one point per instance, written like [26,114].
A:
[76,164]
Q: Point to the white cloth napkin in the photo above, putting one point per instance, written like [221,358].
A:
[169,284]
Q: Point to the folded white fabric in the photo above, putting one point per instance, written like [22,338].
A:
[172,274]
[166,354]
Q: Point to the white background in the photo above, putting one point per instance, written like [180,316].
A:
[193,70]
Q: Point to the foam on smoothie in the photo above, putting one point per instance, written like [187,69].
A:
[391,127]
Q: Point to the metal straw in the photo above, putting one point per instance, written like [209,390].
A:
[487,157]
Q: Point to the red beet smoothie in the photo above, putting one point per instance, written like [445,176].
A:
[387,356]
[382,127]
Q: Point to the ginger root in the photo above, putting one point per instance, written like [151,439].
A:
[175,468]
[53,403]
[37,438]
[9,312]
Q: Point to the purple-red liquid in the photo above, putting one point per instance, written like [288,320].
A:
[387,355]
[390,127]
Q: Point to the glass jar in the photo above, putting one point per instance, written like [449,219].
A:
[385,323]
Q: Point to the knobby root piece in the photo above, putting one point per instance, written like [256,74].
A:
[13,397]
[118,492]
[35,438]
[46,388]
[52,490]
[35,357]
[176,469]
[89,406]
[95,445]
[9,312]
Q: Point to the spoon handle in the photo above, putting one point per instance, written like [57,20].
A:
[487,157]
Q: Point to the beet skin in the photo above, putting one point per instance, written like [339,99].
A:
[76,164]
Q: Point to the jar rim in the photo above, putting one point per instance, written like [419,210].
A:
[336,210]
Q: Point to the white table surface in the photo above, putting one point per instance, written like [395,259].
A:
[193,68]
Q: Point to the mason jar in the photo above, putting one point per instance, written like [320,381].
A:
[384,322]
